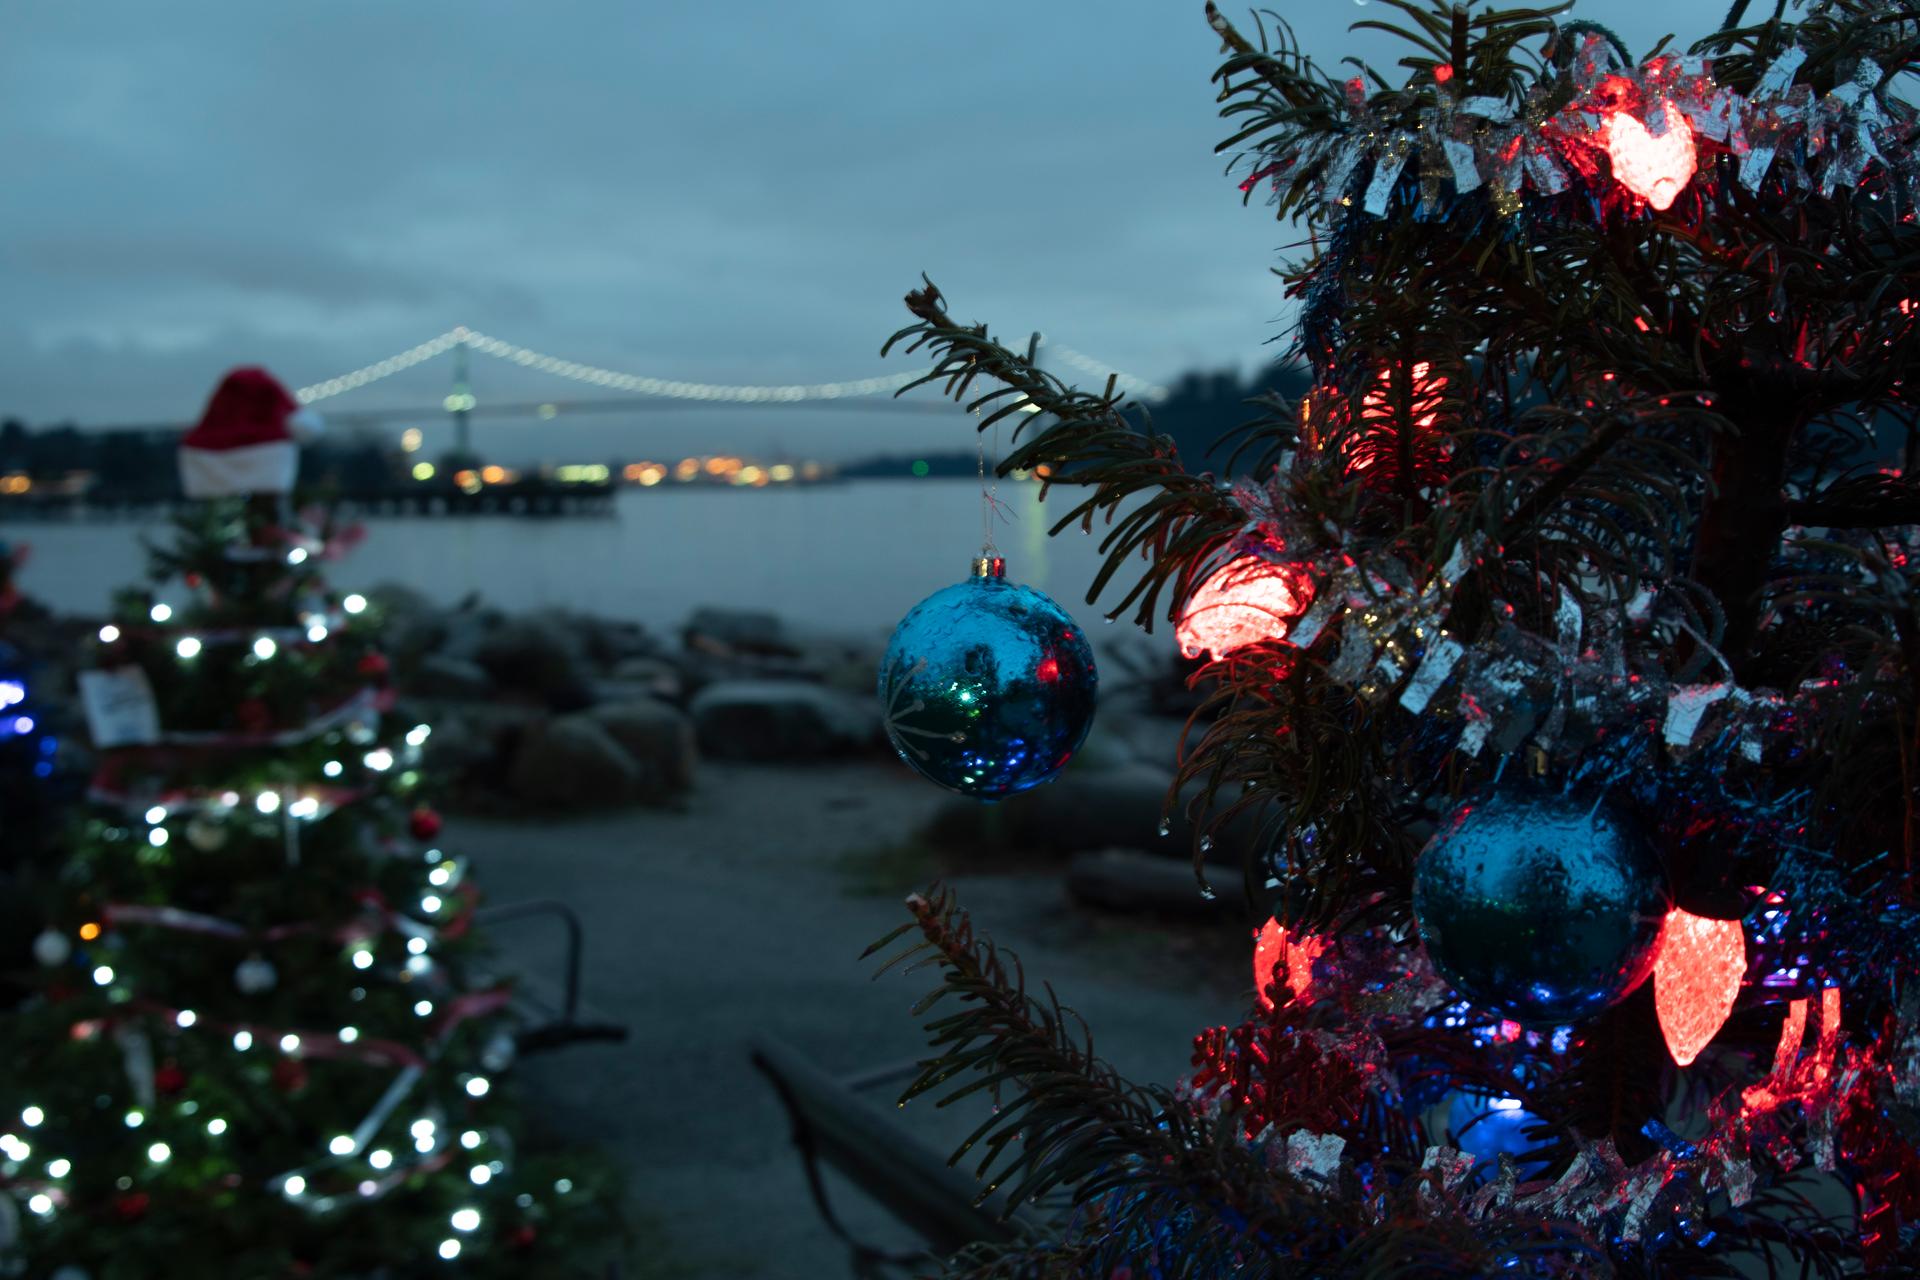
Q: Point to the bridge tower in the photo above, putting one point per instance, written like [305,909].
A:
[459,403]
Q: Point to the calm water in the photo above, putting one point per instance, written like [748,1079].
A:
[846,557]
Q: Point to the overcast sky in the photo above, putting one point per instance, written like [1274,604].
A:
[734,192]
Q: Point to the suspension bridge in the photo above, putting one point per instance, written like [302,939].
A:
[469,486]
[639,391]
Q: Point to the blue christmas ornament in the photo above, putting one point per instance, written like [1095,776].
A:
[1542,907]
[987,687]
[1487,1128]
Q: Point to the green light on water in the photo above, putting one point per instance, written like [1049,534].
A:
[920,467]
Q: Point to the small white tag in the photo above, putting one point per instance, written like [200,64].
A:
[1494,109]
[1466,173]
[1779,76]
[1687,705]
[1443,655]
[120,707]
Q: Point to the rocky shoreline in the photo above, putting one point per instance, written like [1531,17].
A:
[554,711]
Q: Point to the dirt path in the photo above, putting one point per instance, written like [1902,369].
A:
[746,915]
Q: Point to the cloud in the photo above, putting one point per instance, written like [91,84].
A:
[278,272]
[738,193]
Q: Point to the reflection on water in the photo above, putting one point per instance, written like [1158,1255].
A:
[849,557]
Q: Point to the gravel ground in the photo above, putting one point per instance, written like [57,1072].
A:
[745,915]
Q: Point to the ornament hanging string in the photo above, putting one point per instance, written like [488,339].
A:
[990,504]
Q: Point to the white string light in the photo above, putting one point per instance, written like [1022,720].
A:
[381,368]
[1151,392]
[671,388]
[677,390]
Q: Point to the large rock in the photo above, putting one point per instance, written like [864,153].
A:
[463,745]
[1112,808]
[1128,880]
[660,678]
[658,738]
[780,720]
[572,762]
[439,676]
[465,629]
[540,655]
[610,641]
[738,631]
[848,663]
[410,625]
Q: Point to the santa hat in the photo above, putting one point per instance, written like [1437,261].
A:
[247,441]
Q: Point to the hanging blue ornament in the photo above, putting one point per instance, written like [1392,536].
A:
[1487,1127]
[1540,906]
[987,687]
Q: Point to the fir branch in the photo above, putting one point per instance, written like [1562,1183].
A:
[1267,68]
[1866,502]
[1152,1178]
[1088,442]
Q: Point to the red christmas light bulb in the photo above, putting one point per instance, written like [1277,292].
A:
[1276,947]
[1656,169]
[1695,980]
[1244,602]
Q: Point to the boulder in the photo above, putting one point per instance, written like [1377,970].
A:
[845,662]
[1112,808]
[658,738]
[610,641]
[737,631]
[466,626]
[539,655]
[461,745]
[396,599]
[437,675]
[410,626]
[780,720]
[572,762]
[1128,880]
[660,678]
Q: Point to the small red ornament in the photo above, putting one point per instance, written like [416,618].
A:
[424,823]
[252,715]
[1655,169]
[522,1236]
[289,1075]
[375,666]
[1243,602]
[133,1206]
[169,1079]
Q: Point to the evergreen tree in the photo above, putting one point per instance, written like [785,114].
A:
[264,1044]
[1567,637]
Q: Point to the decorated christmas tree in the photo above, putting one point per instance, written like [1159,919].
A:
[29,797]
[36,782]
[1561,646]
[262,1043]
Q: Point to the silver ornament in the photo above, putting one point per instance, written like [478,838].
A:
[52,947]
[255,974]
[206,835]
[498,1054]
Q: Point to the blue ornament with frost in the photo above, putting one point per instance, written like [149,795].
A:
[1541,906]
[987,687]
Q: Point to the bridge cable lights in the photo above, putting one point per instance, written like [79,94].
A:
[669,388]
